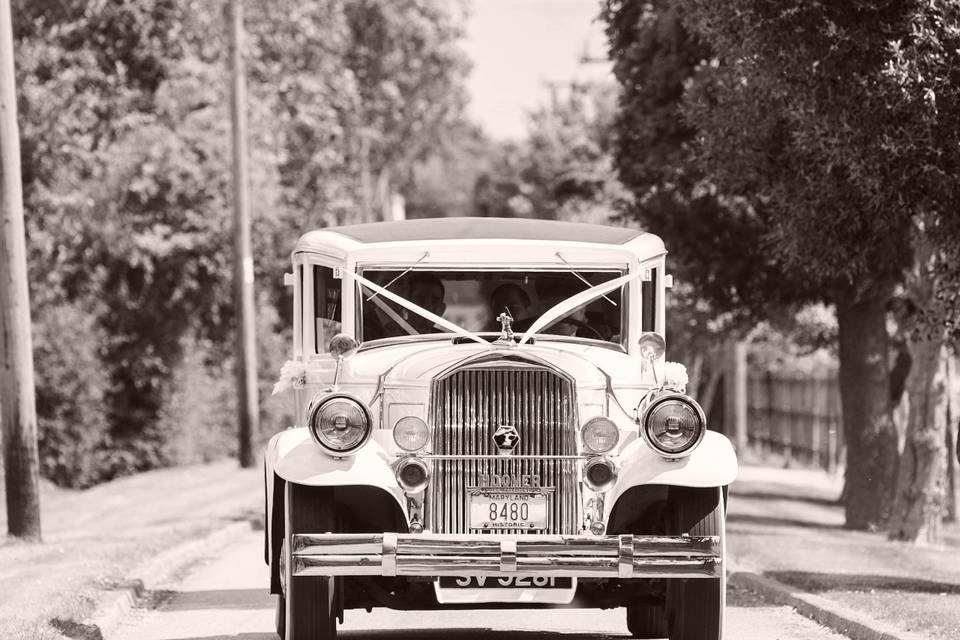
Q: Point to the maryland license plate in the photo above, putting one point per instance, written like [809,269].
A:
[508,510]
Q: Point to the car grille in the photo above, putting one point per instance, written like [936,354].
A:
[466,408]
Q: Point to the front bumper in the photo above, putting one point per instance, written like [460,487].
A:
[614,556]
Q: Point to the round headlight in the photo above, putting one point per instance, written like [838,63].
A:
[410,433]
[600,435]
[674,425]
[339,424]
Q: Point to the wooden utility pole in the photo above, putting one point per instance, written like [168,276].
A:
[18,411]
[246,343]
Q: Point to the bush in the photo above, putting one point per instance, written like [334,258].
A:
[71,385]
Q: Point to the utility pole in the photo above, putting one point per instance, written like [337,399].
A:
[18,411]
[246,343]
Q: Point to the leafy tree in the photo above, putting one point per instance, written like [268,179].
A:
[842,118]
[126,171]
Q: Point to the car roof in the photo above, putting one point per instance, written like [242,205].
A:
[487,228]
[444,231]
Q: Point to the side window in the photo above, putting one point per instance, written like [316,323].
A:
[648,302]
[326,306]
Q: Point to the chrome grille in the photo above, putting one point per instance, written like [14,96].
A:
[466,408]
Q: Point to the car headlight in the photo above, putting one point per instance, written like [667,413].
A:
[673,425]
[600,435]
[340,424]
[411,433]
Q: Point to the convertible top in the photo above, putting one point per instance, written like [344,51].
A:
[486,228]
[444,231]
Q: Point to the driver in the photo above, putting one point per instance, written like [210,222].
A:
[426,290]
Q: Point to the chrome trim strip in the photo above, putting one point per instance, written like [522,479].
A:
[623,556]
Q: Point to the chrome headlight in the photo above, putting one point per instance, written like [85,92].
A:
[339,423]
[673,425]
[411,433]
[600,435]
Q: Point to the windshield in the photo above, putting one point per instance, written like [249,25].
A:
[473,300]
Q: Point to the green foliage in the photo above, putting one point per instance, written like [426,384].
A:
[126,158]
[563,170]
[71,388]
[718,238]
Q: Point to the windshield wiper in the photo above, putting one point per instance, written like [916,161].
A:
[426,254]
[581,278]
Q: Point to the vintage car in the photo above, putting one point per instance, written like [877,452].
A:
[485,419]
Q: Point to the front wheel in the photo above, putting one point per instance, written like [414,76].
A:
[308,607]
[695,606]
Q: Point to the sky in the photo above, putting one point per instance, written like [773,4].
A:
[517,46]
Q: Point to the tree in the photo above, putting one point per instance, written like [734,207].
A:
[125,178]
[807,111]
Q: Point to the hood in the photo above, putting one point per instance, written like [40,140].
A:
[417,363]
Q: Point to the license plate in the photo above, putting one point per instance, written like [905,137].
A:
[506,582]
[496,511]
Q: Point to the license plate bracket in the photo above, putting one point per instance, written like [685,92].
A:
[504,510]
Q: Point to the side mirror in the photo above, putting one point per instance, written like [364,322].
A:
[652,346]
[342,345]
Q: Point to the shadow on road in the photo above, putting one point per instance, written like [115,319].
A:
[218,599]
[855,582]
[774,521]
[432,634]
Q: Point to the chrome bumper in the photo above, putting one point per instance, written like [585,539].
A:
[391,554]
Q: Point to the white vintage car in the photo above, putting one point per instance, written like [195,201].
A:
[485,420]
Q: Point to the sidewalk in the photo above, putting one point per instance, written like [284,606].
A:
[94,539]
[785,524]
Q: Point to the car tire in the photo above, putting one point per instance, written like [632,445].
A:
[313,600]
[695,606]
[647,621]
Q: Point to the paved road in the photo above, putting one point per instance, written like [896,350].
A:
[225,598]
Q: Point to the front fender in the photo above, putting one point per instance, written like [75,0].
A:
[294,457]
[712,464]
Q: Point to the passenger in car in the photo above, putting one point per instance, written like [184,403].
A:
[509,297]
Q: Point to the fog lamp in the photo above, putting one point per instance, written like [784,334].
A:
[597,528]
[599,474]
[412,474]
[410,433]
[600,435]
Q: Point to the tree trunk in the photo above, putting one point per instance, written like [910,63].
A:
[869,433]
[953,447]
[919,504]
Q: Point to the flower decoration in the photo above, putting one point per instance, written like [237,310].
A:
[675,376]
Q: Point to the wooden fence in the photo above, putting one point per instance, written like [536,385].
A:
[796,417]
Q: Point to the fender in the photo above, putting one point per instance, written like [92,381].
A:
[293,456]
[712,464]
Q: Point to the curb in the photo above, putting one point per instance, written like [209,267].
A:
[826,612]
[121,600]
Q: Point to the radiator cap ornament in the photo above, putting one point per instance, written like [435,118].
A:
[506,438]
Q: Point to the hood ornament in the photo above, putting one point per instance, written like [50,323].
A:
[506,328]
[506,437]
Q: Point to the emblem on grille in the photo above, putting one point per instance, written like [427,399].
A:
[506,438]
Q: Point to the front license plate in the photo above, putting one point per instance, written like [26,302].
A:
[507,582]
[496,511]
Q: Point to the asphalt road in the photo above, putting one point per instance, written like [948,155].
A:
[225,598]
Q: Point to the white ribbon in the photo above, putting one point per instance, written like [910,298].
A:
[417,309]
[564,307]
